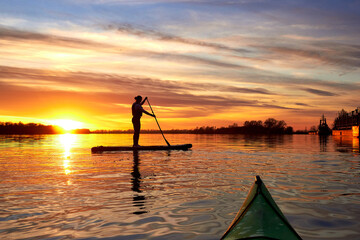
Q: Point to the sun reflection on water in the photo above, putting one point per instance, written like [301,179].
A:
[67,140]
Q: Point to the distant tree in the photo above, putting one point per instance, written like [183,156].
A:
[289,130]
[313,129]
[205,130]
[274,126]
[233,125]
[253,123]
[280,125]
[270,123]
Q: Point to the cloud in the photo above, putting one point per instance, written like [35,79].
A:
[76,43]
[315,113]
[302,104]
[20,35]
[147,2]
[319,92]
[112,88]
[184,58]
[293,83]
[273,106]
[97,82]
[251,75]
[328,53]
[150,33]
[196,57]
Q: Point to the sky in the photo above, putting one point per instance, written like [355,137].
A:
[200,62]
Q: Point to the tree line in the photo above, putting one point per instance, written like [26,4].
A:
[28,128]
[34,128]
[269,126]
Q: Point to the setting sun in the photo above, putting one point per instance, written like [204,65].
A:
[67,124]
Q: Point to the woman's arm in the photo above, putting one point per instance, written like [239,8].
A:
[146,112]
[143,101]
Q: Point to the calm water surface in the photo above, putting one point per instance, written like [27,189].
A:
[52,187]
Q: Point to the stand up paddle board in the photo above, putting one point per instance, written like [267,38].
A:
[100,149]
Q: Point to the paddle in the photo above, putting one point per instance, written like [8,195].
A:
[158,123]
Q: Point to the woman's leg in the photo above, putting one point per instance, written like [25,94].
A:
[137,126]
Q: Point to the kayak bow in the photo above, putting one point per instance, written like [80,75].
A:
[260,218]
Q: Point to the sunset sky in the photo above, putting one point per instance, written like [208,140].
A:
[200,62]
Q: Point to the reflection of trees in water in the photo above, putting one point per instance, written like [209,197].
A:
[138,198]
[275,140]
[271,141]
[21,138]
[347,144]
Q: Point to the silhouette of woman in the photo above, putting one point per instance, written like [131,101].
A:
[137,111]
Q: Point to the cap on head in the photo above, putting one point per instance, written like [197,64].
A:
[138,97]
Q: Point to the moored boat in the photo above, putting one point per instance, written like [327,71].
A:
[260,218]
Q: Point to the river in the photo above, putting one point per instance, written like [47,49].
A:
[52,187]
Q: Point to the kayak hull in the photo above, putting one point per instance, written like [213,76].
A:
[260,218]
[100,149]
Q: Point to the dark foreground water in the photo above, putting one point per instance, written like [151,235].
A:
[52,187]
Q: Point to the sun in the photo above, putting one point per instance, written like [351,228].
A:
[67,124]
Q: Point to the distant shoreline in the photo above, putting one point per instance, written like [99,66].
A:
[259,134]
[270,127]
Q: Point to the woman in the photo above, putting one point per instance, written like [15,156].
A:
[137,111]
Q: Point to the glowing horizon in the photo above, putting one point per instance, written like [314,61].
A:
[67,124]
[209,63]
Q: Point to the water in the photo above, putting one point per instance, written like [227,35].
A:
[52,187]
